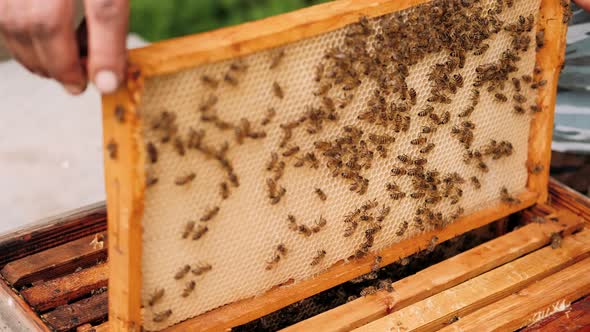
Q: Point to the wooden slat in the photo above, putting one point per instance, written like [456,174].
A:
[567,198]
[104,327]
[439,277]
[436,311]
[241,312]
[572,319]
[550,59]
[56,292]
[70,316]
[54,262]
[52,232]
[209,47]
[529,304]
[15,312]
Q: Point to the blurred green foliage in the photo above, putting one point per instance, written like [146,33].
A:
[161,19]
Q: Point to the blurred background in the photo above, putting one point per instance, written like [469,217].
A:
[51,143]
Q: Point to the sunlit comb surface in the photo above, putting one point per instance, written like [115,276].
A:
[275,166]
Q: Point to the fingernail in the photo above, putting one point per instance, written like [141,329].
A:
[73,89]
[106,81]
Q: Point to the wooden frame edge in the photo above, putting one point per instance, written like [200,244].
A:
[125,186]
[186,52]
[550,59]
[246,310]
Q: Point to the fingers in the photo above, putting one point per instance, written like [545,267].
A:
[55,45]
[15,33]
[39,34]
[107,32]
[584,4]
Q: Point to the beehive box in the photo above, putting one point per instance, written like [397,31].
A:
[253,166]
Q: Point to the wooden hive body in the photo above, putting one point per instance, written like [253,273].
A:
[186,98]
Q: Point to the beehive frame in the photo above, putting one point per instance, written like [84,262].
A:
[125,177]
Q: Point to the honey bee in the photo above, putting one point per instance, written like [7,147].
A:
[210,81]
[427,130]
[475,182]
[179,146]
[483,166]
[540,39]
[417,195]
[112,149]
[501,97]
[184,179]
[274,160]
[427,148]
[209,103]
[467,112]
[152,152]
[516,84]
[159,317]
[413,96]
[535,109]
[239,66]
[482,49]
[230,79]
[281,249]
[188,288]
[188,228]
[182,272]
[319,72]
[201,269]
[519,98]
[527,78]
[426,111]
[507,198]
[233,179]
[270,114]
[320,254]
[321,194]
[323,89]
[156,296]
[120,113]
[277,59]
[199,232]
[556,239]
[291,151]
[519,109]
[150,180]
[419,141]
[542,83]
[277,90]
[368,291]
[304,230]
[396,196]
[381,139]
[398,171]
[277,198]
[210,214]
[468,124]
[420,161]
[273,262]
[402,229]
[404,159]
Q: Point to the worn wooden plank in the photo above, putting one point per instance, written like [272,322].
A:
[16,313]
[436,311]
[52,232]
[241,312]
[439,277]
[56,292]
[574,318]
[67,317]
[528,305]
[567,198]
[54,262]
[550,60]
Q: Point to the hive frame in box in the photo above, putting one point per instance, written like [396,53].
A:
[125,176]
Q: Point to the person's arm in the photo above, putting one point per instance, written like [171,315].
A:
[41,36]
[584,4]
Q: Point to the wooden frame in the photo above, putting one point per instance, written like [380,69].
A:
[125,181]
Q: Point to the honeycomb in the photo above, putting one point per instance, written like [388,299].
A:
[328,107]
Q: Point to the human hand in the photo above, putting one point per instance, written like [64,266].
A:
[41,36]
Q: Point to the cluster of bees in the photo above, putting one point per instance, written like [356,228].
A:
[158,294]
[382,53]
